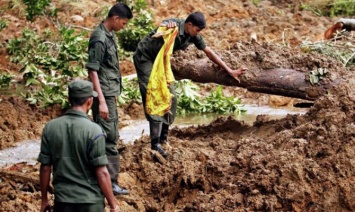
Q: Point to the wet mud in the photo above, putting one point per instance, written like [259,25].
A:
[298,163]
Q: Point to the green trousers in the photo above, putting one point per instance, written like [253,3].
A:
[78,207]
[110,125]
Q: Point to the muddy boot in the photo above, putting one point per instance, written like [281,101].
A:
[155,132]
[113,169]
[157,147]
[164,134]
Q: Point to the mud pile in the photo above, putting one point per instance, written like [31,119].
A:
[19,121]
[299,163]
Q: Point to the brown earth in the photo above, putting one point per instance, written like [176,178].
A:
[299,163]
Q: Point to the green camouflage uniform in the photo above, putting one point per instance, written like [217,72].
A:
[103,59]
[144,57]
[74,145]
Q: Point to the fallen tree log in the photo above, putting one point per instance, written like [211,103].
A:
[278,81]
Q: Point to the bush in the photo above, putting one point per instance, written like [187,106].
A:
[5,80]
[141,25]
[37,8]
[49,61]
[331,7]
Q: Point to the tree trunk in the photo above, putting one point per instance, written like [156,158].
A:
[278,81]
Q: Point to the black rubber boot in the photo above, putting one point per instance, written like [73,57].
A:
[164,133]
[113,168]
[155,132]
[157,147]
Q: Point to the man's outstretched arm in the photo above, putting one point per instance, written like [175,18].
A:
[216,59]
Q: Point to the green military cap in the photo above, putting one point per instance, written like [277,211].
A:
[81,88]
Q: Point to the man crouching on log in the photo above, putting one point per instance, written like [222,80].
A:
[186,32]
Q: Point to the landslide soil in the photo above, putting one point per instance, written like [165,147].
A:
[299,163]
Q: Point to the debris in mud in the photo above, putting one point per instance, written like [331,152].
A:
[298,163]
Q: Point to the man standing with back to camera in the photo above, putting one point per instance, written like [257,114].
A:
[75,147]
[104,73]
[145,55]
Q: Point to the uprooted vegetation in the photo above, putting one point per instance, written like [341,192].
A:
[298,163]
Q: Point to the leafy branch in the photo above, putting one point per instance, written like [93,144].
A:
[341,48]
[49,61]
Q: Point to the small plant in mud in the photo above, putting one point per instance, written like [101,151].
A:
[5,79]
[190,101]
[217,102]
[256,2]
[3,24]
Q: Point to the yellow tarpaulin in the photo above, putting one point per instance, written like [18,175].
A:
[159,98]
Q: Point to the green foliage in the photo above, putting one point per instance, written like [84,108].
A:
[141,24]
[341,50]
[5,80]
[130,91]
[188,98]
[37,8]
[49,62]
[342,7]
[331,7]
[3,24]
[256,2]
[217,102]
[189,101]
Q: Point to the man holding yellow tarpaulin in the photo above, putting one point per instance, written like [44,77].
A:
[155,78]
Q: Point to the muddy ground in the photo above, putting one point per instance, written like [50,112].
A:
[299,163]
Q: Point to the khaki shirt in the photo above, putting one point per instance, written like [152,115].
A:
[74,146]
[103,58]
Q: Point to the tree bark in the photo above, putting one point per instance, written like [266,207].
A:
[278,81]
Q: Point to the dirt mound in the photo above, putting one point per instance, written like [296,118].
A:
[264,56]
[19,121]
[299,163]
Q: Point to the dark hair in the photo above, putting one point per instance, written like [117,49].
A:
[121,10]
[197,19]
[77,101]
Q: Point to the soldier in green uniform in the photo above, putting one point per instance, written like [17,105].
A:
[75,147]
[104,73]
[144,57]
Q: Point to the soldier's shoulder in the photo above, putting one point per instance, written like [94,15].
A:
[98,35]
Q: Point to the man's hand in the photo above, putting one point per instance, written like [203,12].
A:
[115,209]
[45,206]
[103,110]
[170,24]
[238,72]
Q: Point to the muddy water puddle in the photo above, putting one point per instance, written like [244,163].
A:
[27,151]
